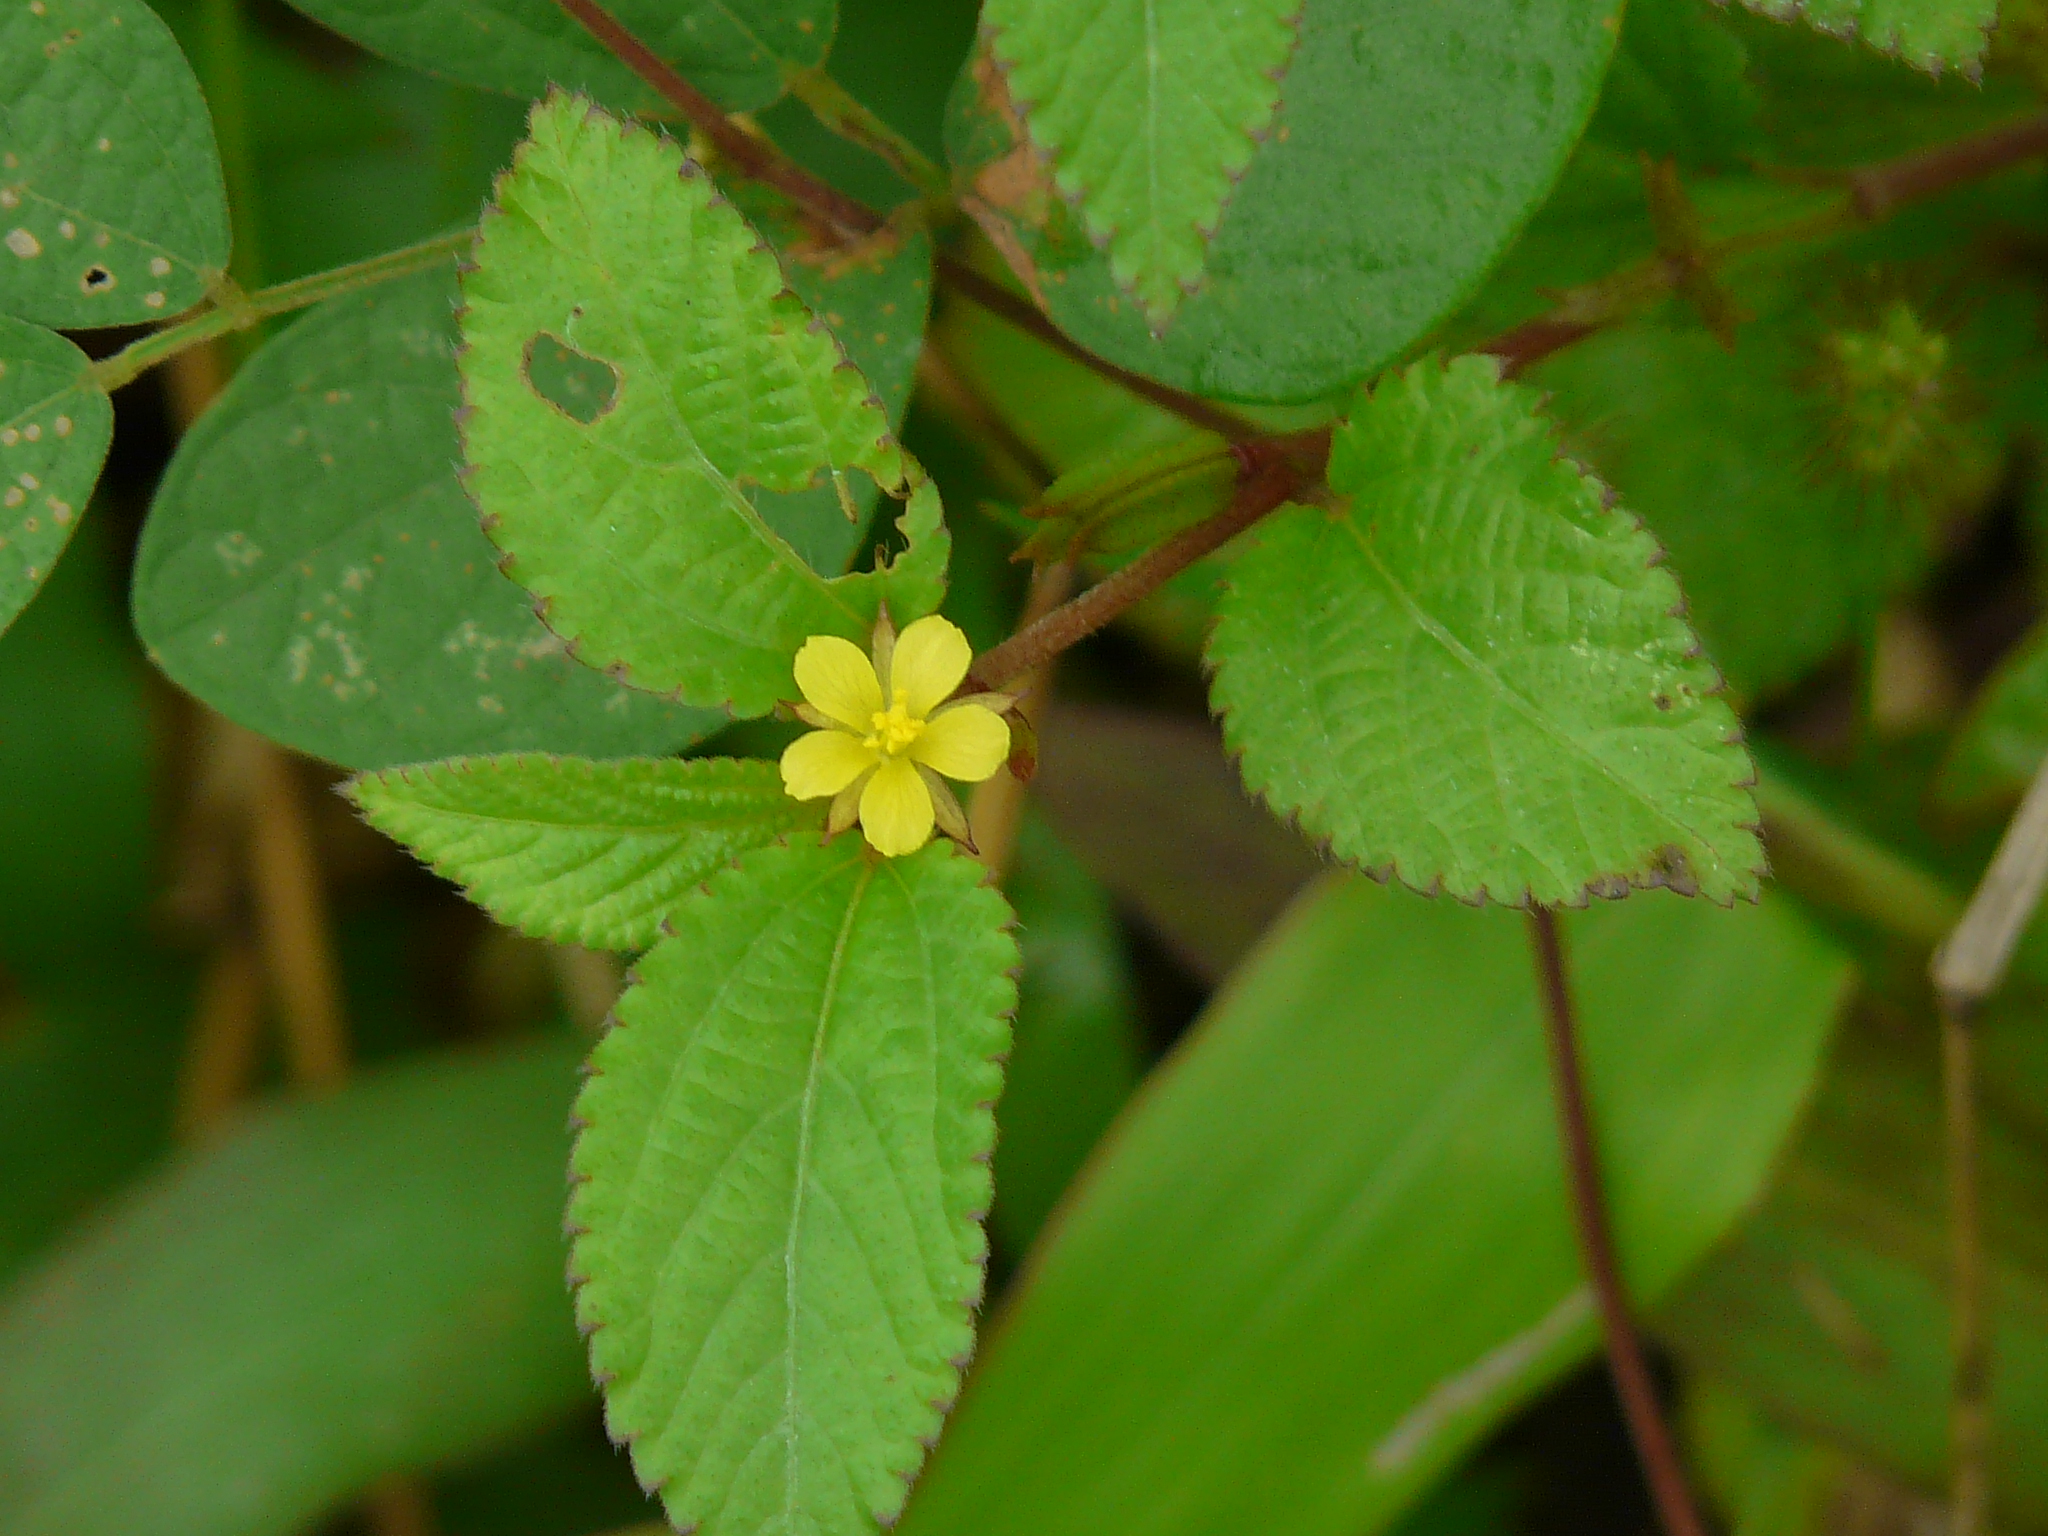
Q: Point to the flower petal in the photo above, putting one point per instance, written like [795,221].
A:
[896,809]
[821,763]
[931,658]
[837,677]
[967,743]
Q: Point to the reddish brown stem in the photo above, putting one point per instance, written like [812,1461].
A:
[848,217]
[1655,1450]
[1267,487]
[1881,189]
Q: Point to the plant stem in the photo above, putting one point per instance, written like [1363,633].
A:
[238,314]
[1655,1449]
[1970,1378]
[1035,644]
[835,107]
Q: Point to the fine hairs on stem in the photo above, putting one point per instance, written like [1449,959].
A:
[1656,1450]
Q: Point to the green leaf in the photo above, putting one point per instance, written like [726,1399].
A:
[1150,112]
[780,1313]
[55,424]
[362,1285]
[1472,675]
[1345,240]
[1076,1057]
[312,568]
[112,208]
[1329,1246]
[1929,34]
[1830,1306]
[2000,745]
[579,852]
[1679,88]
[738,51]
[606,239]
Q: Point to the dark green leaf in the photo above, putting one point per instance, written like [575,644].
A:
[737,50]
[349,1288]
[55,424]
[1411,143]
[313,570]
[1329,1247]
[112,209]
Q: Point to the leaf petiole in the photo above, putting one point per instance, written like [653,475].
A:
[233,312]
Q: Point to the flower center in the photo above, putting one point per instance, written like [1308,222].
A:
[894,728]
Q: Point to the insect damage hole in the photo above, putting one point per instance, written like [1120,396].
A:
[578,385]
[97,279]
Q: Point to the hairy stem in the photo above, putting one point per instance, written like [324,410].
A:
[1655,1449]
[835,107]
[240,312]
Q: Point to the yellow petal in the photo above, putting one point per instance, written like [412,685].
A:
[896,809]
[837,677]
[966,742]
[931,658]
[821,763]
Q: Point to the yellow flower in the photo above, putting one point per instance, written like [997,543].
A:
[887,733]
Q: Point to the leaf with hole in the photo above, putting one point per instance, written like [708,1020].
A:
[112,207]
[1412,142]
[737,51]
[638,530]
[581,852]
[1240,1321]
[312,568]
[1471,674]
[1150,110]
[1928,34]
[55,424]
[780,1182]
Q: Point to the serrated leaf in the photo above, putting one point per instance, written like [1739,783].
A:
[1925,33]
[636,529]
[1999,747]
[1412,141]
[806,1069]
[1150,110]
[55,424]
[1472,675]
[1329,1247]
[112,207]
[738,51]
[312,568]
[580,852]
[348,1288]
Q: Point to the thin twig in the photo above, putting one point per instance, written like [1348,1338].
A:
[844,114]
[1968,969]
[241,312]
[1655,1449]
[221,1050]
[1035,644]
[996,816]
[298,949]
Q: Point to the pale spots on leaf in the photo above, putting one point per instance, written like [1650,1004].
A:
[237,554]
[23,244]
[486,651]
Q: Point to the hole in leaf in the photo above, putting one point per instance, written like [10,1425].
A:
[578,385]
[95,279]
